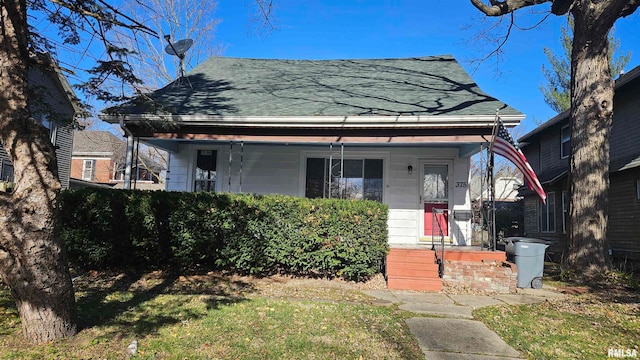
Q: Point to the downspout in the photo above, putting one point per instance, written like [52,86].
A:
[129,158]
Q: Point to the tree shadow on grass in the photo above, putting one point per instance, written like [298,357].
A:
[143,303]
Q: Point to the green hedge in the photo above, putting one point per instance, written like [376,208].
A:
[258,235]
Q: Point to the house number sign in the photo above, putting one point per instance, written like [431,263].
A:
[461,184]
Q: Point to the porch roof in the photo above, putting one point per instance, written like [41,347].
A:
[383,93]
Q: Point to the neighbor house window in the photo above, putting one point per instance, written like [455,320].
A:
[7,171]
[548,214]
[565,142]
[88,170]
[565,210]
[205,177]
[53,133]
[344,179]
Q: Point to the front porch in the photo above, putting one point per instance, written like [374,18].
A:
[465,268]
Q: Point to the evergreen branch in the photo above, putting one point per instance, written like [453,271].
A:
[134,25]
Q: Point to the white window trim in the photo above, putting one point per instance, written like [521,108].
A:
[93,169]
[562,141]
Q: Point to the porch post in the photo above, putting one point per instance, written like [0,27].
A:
[128,162]
[129,157]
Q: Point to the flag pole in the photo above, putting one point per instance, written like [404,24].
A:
[491,186]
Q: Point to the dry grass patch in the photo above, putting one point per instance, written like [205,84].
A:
[584,325]
[219,316]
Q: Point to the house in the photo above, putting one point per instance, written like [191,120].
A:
[399,131]
[505,188]
[100,157]
[53,103]
[548,149]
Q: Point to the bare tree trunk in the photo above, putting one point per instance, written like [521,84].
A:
[591,120]
[32,261]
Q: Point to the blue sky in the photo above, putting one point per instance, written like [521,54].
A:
[332,29]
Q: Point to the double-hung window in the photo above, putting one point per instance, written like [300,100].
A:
[344,178]
[565,142]
[6,173]
[205,176]
[88,170]
[548,214]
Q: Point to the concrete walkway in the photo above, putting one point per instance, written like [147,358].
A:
[451,333]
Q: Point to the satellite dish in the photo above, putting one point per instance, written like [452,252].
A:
[179,49]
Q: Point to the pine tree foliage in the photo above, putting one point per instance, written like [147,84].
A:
[557,89]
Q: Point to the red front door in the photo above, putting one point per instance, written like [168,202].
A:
[435,195]
[439,224]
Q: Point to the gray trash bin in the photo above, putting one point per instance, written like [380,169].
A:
[528,255]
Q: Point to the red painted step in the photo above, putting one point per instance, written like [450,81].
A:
[412,269]
[404,283]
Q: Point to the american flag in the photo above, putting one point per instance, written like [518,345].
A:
[504,145]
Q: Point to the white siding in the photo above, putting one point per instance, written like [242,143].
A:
[280,169]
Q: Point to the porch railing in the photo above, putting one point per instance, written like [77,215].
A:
[437,237]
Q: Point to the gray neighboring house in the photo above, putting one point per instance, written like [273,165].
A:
[548,149]
[398,131]
[53,103]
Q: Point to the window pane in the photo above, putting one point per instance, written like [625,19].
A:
[436,182]
[551,205]
[88,170]
[373,179]
[565,141]
[315,178]
[352,180]
[205,174]
[7,172]
[349,178]
[544,216]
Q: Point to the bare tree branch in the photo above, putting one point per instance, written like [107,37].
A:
[499,8]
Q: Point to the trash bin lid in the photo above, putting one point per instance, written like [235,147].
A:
[515,239]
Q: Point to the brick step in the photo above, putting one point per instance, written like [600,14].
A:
[399,264]
[409,283]
[414,273]
[412,255]
[475,256]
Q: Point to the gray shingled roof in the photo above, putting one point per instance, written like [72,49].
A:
[93,141]
[435,85]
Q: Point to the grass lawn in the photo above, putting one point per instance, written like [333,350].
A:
[584,325]
[218,317]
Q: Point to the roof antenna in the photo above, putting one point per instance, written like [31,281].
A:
[179,49]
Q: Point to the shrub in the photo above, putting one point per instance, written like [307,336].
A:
[252,234]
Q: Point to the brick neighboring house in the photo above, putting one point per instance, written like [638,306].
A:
[548,149]
[52,102]
[100,156]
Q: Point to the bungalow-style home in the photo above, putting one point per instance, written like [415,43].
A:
[52,102]
[99,157]
[398,131]
[548,149]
